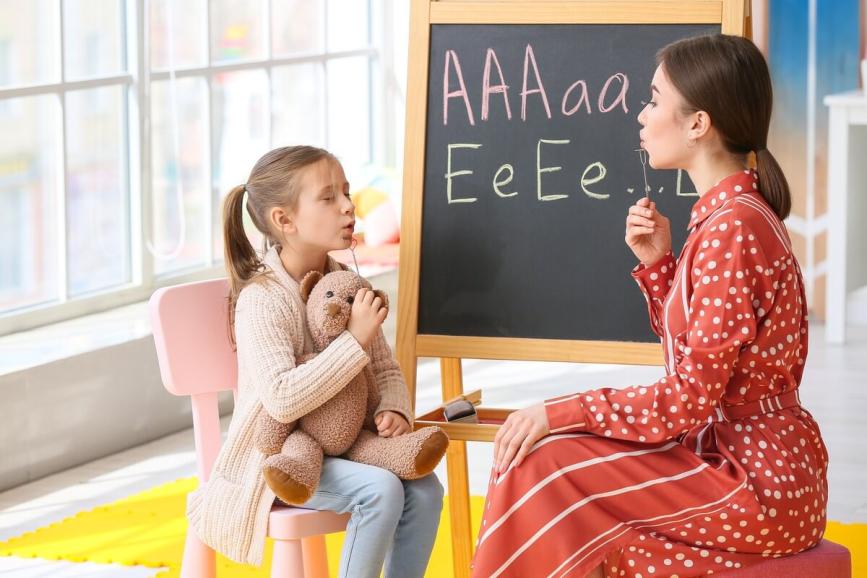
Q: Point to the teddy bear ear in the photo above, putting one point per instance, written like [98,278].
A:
[308,283]
[382,295]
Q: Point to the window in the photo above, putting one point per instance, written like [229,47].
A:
[127,121]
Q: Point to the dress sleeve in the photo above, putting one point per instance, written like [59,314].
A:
[730,288]
[264,327]
[655,282]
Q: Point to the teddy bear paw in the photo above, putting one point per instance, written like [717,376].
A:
[291,489]
[431,452]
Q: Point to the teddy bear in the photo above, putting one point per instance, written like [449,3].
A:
[344,425]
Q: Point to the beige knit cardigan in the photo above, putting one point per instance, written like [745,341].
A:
[230,512]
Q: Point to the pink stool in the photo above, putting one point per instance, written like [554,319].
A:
[827,560]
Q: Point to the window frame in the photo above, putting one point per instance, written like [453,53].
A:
[136,82]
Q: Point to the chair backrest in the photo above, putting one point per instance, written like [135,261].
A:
[196,357]
[190,326]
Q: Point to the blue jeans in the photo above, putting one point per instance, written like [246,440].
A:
[394,522]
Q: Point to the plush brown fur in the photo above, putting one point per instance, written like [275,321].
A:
[344,425]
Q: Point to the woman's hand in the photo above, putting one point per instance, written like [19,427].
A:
[648,232]
[521,430]
[390,424]
[366,317]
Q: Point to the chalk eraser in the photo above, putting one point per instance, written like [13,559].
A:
[460,411]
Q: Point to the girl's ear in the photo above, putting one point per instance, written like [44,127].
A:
[280,219]
[308,283]
[382,295]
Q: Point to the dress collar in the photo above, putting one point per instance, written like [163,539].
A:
[739,183]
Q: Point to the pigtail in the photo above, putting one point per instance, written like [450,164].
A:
[241,260]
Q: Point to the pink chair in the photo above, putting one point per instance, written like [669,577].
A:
[190,327]
[826,560]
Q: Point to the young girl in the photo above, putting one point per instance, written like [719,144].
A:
[298,198]
[716,465]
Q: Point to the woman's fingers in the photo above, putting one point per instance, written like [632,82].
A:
[498,441]
[635,220]
[501,440]
[510,450]
[638,232]
[525,448]
[641,211]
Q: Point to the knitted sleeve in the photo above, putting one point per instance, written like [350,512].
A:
[266,330]
[392,387]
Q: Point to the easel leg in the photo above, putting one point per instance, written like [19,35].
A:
[458,483]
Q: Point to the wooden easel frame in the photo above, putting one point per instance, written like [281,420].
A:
[729,14]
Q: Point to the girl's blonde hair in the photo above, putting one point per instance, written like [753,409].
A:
[273,182]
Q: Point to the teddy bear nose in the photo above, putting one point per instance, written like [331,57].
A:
[333,309]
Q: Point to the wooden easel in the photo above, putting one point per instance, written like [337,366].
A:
[730,14]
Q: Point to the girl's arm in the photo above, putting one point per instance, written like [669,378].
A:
[389,378]
[730,287]
[265,322]
[655,282]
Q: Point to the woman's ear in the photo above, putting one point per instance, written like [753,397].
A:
[308,283]
[700,125]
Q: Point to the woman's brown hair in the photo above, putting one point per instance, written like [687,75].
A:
[273,182]
[728,78]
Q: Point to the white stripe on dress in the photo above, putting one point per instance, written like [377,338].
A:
[558,473]
[769,216]
[656,521]
[545,441]
[544,529]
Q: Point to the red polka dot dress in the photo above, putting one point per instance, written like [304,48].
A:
[713,467]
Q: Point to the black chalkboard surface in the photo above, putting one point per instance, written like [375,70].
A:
[526,191]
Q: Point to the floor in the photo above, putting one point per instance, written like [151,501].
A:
[834,389]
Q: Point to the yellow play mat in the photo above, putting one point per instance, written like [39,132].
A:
[148,528]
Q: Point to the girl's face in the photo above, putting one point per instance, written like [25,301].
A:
[324,217]
[665,128]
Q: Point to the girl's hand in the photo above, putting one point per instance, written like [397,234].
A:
[391,424]
[366,317]
[648,232]
[521,430]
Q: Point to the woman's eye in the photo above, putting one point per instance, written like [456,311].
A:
[645,103]
[329,294]
[350,300]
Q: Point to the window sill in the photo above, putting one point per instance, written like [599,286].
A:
[49,343]
[91,332]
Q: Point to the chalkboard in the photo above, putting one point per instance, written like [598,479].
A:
[529,172]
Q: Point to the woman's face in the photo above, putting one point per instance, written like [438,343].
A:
[665,128]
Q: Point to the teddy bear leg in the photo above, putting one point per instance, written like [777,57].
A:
[293,474]
[409,456]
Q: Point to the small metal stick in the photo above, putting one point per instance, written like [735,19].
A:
[352,250]
[642,155]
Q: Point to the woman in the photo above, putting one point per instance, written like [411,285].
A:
[716,465]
